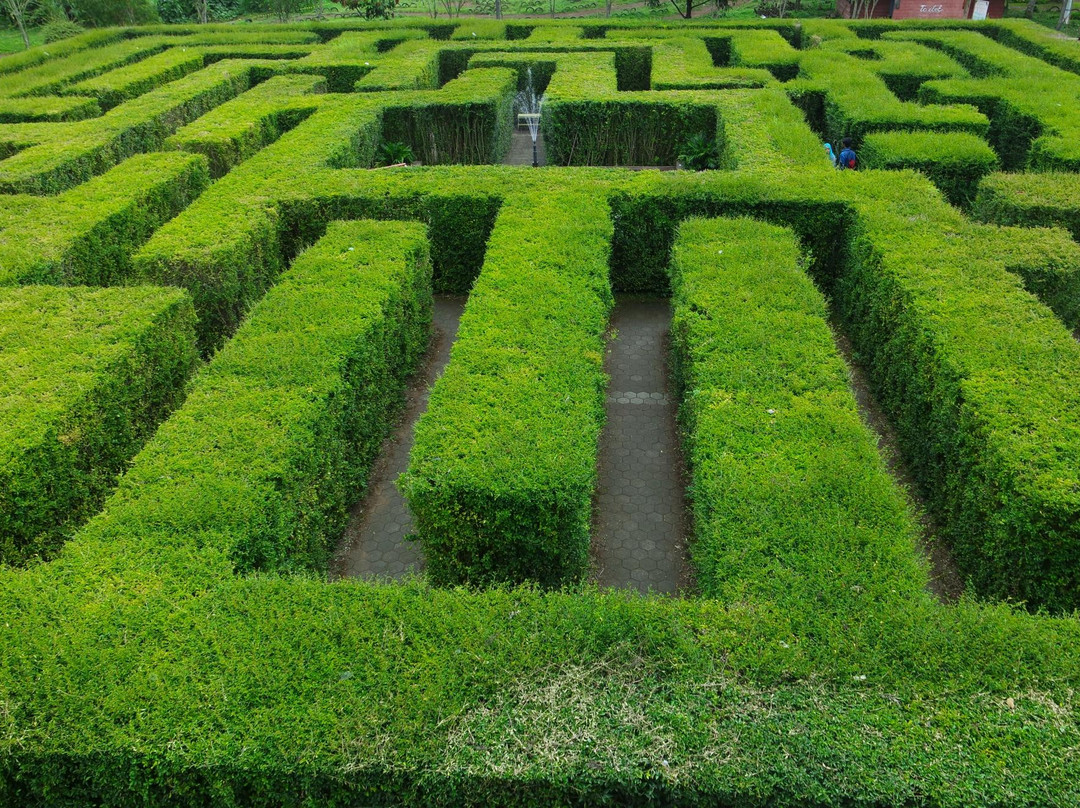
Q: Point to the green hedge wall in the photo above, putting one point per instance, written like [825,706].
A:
[771,429]
[123,84]
[638,132]
[85,376]
[856,101]
[501,477]
[947,334]
[62,158]
[954,161]
[1030,103]
[469,121]
[227,250]
[278,433]
[50,108]
[48,76]
[239,128]
[139,669]
[1030,199]
[646,222]
[88,234]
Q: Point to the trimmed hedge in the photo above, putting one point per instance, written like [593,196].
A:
[63,157]
[239,128]
[790,496]
[586,121]
[278,433]
[857,102]
[502,474]
[1030,104]
[87,235]
[1030,199]
[762,130]
[49,76]
[954,161]
[979,379]
[50,108]
[227,249]
[765,49]
[468,121]
[125,83]
[903,66]
[343,61]
[13,62]
[409,66]
[138,668]
[85,376]
[687,64]
[1038,40]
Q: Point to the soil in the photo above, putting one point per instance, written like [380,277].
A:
[945,581]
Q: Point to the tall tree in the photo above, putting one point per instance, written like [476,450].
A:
[1029,9]
[686,7]
[1066,11]
[20,10]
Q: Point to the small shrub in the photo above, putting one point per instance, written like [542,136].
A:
[699,153]
[394,153]
[61,28]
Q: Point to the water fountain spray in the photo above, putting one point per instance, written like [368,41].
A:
[527,103]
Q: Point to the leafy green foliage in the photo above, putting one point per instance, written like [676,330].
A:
[139,667]
[1030,104]
[277,435]
[394,153]
[372,9]
[954,161]
[699,153]
[997,460]
[87,375]
[1031,199]
[502,474]
[58,29]
[88,234]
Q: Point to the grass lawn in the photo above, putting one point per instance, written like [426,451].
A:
[1048,18]
[11,40]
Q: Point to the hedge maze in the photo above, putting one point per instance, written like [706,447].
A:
[210,306]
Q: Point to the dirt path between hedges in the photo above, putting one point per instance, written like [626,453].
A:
[374,542]
[945,581]
[640,518]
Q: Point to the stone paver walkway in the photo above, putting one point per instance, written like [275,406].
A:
[640,524]
[521,149]
[374,542]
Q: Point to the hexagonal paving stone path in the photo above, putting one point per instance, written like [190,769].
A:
[640,519]
[374,542]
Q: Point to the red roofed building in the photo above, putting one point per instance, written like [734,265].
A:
[930,9]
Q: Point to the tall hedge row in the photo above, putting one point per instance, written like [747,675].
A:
[501,477]
[239,128]
[978,377]
[469,125]
[85,376]
[88,234]
[1031,199]
[59,159]
[954,161]
[278,433]
[790,495]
